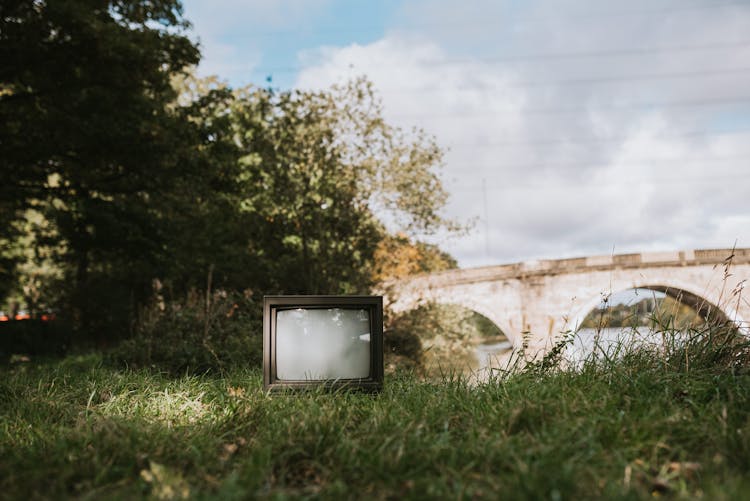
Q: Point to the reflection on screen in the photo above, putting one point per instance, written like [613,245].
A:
[314,344]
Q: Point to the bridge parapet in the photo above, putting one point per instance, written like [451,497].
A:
[577,265]
[627,259]
[544,298]
[709,255]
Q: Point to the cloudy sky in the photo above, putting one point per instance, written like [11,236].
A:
[572,127]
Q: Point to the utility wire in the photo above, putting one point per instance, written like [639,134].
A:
[593,140]
[687,103]
[637,162]
[655,10]
[523,20]
[547,56]
[572,81]
[625,181]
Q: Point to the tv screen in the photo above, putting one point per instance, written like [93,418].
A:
[331,341]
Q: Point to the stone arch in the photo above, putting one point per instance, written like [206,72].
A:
[481,304]
[472,306]
[684,294]
[476,347]
[486,312]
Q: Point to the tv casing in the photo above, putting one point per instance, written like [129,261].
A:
[273,304]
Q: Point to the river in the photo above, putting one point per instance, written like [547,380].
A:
[607,341]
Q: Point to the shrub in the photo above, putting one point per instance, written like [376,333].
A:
[434,338]
[34,337]
[202,333]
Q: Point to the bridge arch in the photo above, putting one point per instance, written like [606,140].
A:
[535,303]
[705,302]
[453,336]
[486,312]
[475,305]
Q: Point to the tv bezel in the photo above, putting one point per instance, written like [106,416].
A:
[272,304]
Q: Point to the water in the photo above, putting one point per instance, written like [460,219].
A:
[606,341]
[493,354]
[609,341]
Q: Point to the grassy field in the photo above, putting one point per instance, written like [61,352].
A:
[674,423]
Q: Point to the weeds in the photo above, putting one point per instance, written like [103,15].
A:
[671,422]
[210,331]
[668,417]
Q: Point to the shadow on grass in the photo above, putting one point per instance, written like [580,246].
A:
[675,421]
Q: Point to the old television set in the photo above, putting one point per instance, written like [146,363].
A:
[323,341]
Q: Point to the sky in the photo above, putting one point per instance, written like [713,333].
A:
[571,127]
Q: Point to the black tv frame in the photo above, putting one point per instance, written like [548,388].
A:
[272,304]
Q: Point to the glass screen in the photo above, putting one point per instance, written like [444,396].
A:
[316,344]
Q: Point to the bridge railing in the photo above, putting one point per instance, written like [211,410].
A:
[578,264]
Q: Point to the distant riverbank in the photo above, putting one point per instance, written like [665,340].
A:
[604,341]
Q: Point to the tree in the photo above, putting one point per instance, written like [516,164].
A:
[86,136]
[300,183]
[123,180]
[326,178]
[397,256]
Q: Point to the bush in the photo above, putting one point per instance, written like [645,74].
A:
[196,335]
[434,338]
[34,337]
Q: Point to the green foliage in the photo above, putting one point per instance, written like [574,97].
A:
[39,274]
[10,257]
[652,312]
[317,167]
[195,335]
[202,225]
[674,424]
[34,337]
[119,168]
[87,139]
[436,338]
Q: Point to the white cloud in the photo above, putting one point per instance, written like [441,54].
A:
[227,61]
[573,165]
[233,33]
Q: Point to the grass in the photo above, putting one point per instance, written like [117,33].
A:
[675,424]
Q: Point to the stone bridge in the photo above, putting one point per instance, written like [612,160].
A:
[539,300]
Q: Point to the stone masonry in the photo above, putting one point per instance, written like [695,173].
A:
[541,300]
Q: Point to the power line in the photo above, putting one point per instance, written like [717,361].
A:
[611,139]
[532,19]
[598,53]
[637,162]
[573,81]
[688,103]
[656,10]
[624,181]
[547,56]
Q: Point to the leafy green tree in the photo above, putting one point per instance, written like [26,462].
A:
[122,180]
[87,139]
[326,179]
[307,187]
[300,210]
